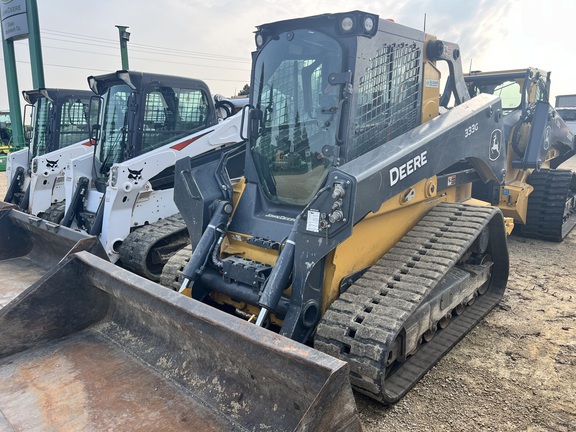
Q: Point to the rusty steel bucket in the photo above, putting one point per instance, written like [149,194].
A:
[93,347]
[30,246]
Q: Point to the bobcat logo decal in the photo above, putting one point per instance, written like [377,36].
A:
[52,164]
[135,174]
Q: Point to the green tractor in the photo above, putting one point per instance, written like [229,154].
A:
[6,136]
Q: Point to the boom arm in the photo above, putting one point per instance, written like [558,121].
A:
[548,130]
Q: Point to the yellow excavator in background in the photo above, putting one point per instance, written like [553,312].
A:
[353,235]
[539,197]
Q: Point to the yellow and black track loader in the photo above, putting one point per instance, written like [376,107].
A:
[354,230]
[353,234]
[539,197]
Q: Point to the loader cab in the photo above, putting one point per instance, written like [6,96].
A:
[324,91]
[516,88]
[519,89]
[141,112]
[59,118]
[569,116]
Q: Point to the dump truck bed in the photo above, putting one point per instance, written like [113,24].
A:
[91,346]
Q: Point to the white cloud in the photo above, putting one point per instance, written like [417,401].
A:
[494,34]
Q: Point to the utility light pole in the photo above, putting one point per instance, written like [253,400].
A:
[124,38]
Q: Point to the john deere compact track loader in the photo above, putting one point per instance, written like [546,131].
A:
[58,133]
[540,197]
[353,231]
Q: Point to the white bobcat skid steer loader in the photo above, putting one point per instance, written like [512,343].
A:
[58,133]
[124,191]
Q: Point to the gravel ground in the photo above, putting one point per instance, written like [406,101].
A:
[515,371]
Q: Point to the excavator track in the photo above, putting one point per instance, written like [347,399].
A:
[371,325]
[172,276]
[551,211]
[146,250]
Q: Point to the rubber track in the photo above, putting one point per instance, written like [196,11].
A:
[368,317]
[546,205]
[140,243]
[172,276]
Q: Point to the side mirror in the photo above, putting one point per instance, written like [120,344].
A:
[95,134]
[27,123]
[93,118]
[254,121]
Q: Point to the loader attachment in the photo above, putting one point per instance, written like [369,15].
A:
[30,246]
[91,346]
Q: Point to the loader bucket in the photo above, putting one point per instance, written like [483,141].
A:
[30,246]
[93,347]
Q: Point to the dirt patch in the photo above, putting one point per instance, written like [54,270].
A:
[516,370]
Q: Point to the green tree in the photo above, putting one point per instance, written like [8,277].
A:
[245,90]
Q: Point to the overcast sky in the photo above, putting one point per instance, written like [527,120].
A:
[212,40]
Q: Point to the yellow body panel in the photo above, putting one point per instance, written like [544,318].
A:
[508,225]
[430,88]
[514,200]
[378,232]
[237,191]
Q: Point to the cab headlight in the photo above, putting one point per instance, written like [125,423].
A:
[347,24]
[113,176]
[368,24]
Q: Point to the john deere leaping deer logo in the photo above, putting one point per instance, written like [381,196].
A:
[52,164]
[135,174]
[495,144]
[547,134]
